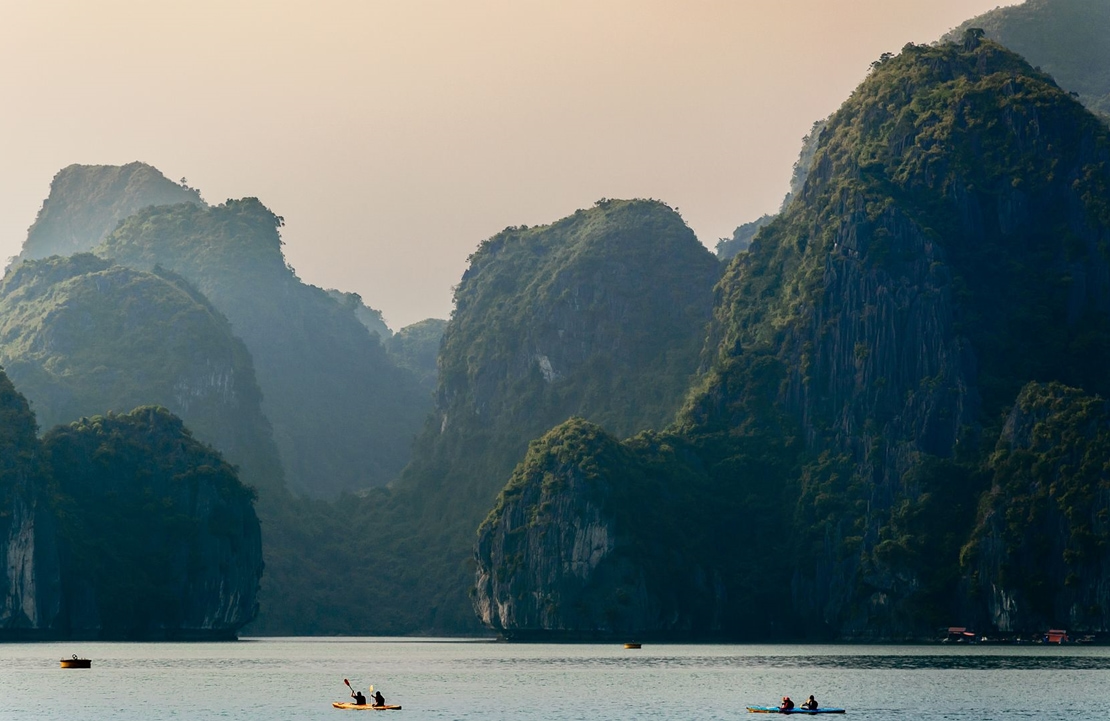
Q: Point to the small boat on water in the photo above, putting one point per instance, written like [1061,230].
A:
[632,645]
[364,706]
[76,662]
[776,709]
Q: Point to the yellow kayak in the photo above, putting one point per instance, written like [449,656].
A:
[364,707]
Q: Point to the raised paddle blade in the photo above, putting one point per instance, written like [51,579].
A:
[371,688]
[348,684]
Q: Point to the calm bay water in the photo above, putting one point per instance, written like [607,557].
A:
[433,679]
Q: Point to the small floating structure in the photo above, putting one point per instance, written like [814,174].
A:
[632,645]
[1056,635]
[960,634]
[75,662]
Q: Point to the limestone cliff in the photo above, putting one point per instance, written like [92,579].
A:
[944,251]
[416,347]
[87,201]
[161,540]
[1040,555]
[948,247]
[121,527]
[30,587]
[572,549]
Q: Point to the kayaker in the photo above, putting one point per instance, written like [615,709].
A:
[358,697]
[810,703]
[786,704]
[379,700]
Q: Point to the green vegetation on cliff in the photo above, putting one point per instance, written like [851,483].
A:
[932,266]
[121,527]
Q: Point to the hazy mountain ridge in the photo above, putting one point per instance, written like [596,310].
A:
[83,337]
[342,411]
[87,201]
[1068,39]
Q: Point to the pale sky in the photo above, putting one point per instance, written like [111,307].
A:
[395,136]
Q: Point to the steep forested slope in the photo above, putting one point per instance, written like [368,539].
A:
[87,201]
[949,246]
[343,413]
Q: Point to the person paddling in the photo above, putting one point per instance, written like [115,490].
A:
[356,695]
[787,704]
[379,700]
[810,704]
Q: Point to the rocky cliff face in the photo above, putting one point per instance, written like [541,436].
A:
[1039,558]
[568,550]
[948,234]
[30,588]
[87,201]
[161,538]
[121,527]
[343,413]
[82,337]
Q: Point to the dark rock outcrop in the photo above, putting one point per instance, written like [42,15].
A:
[121,527]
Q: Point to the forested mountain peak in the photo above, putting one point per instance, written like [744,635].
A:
[87,201]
